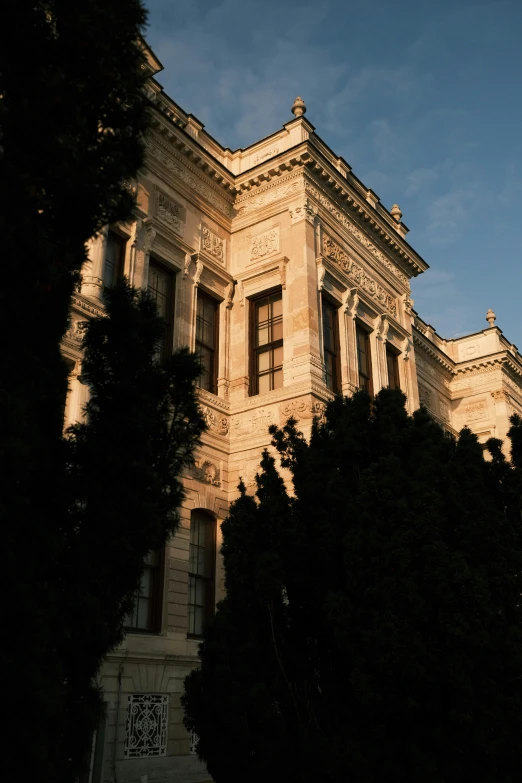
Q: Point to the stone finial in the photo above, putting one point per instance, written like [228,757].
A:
[491,317]
[299,107]
[396,213]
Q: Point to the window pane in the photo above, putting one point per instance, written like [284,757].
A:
[264,361]
[146,583]
[278,357]
[264,383]
[199,620]
[262,335]
[278,379]
[277,331]
[143,613]
[262,313]
[277,306]
[201,592]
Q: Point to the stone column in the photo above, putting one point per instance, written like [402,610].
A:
[92,275]
[302,350]
[351,378]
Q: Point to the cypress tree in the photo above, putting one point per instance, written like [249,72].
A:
[371,629]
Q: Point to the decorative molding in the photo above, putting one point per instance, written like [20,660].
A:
[265,243]
[189,177]
[339,256]
[198,273]
[303,211]
[207,472]
[269,195]
[264,155]
[356,232]
[87,305]
[215,423]
[303,409]
[212,244]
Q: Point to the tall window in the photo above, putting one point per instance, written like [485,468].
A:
[364,359]
[114,259]
[331,346]
[392,362]
[146,615]
[267,357]
[202,555]
[161,288]
[207,340]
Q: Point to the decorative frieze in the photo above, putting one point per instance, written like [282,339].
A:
[215,423]
[302,409]
[265,243]
[268,196]
[339,256]
[212,244]
[356,232]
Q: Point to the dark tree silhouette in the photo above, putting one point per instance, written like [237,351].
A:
[372,628]
[72,119]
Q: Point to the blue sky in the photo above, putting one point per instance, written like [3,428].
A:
[423,100]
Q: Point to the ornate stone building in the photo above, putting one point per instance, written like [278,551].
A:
[292,282]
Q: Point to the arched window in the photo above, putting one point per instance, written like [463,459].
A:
[202,557]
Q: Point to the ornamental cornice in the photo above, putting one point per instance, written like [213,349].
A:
[336,254]
[283,187]
[325,200]
[373,223]
[87,305]
[196,154]
[207,398]
[432,352]
[501,359]
[188,175]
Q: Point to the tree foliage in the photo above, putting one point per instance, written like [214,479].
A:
[78,514]
[371,629]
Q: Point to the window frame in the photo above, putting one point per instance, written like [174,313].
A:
[202,294]
[121,241]
[255,351]
[210,579]
[155,614]
[329,303]
[167,341]
[393,356]
[360,329]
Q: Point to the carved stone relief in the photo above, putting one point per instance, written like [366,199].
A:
[267,197]
[212,244]
[214,422]
[168,211]
[253,423]
[336,253]
[302,409]
[426,397]
[477,411]
[206,471]
[265,243]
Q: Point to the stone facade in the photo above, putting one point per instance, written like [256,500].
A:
[285,215]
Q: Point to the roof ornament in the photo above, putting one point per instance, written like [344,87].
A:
[299,107]
[491,317]
[396,213]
